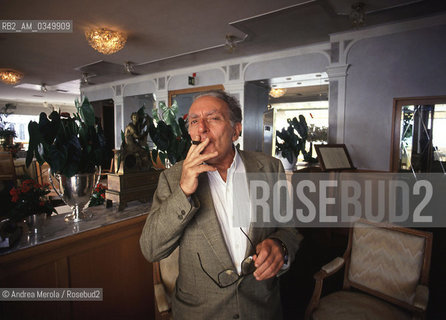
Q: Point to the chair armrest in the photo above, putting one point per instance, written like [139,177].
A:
[156,273]
[162,303]
[333,266]
[421,297]
[326,271]
[161,298]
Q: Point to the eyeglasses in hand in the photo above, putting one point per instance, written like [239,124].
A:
[228,277]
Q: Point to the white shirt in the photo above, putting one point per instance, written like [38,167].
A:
[233,208]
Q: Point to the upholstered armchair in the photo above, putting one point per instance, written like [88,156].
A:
[386,273]
[165,274]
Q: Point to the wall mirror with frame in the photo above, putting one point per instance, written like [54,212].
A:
[419,135]
[185,97]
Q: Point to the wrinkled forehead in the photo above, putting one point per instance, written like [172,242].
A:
[208,105]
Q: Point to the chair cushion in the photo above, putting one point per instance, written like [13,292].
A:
[387,261]
[348,305]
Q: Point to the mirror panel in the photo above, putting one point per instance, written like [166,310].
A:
[419,140]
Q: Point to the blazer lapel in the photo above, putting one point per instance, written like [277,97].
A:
[208,222]
[252,166]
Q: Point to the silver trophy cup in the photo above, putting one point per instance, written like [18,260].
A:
[76,192]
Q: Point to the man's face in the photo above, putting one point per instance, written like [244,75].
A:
[209,118]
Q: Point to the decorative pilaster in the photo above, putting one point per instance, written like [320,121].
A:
[162,93]
[237,90]
[337,76]
[118,100]
[161,96]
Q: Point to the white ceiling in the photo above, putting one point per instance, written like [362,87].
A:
[161,33]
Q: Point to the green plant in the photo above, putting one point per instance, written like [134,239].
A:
[302,129]
[28,199]
[6,130]
[14,149]
[288,145]
[304,135]
[293,140]
[70,145]
[168,115]
[316,133]
[169,134]
[5,133]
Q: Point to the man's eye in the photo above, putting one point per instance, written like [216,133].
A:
[214,118]
[193,122]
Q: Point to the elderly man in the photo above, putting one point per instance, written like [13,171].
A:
[225,271]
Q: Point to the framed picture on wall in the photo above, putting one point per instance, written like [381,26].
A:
[333,157]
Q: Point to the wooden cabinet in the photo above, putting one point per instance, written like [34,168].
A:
[107,257]
[123,188]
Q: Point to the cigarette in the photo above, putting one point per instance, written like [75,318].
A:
[195,142]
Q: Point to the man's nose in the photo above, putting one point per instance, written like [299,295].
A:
[202,125]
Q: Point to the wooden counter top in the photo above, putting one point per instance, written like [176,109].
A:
[102,253]
[54,227]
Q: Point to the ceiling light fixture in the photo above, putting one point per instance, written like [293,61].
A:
[106,41]
[277,92]
[357,15]
[10,76]
[230,42]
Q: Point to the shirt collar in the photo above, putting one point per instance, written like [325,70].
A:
[236,162]
[236,165]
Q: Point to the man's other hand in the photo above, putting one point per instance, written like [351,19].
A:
[268,260]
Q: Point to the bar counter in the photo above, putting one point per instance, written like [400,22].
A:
[55,227]
[102,252]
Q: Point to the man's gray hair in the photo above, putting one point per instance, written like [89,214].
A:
[235,111]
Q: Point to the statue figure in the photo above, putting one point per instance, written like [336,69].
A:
[134,156]
[135,135]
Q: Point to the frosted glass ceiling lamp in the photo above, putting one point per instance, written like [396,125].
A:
[277,92]
[106,41]
[10,76]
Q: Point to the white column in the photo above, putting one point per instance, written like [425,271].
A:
[161,95]
[237,89]
[337,76]
[119,120]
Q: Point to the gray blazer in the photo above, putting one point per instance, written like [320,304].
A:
[173,221]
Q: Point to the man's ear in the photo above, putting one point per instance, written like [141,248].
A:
[237,131]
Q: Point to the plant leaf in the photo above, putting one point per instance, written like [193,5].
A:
[34,140]
[154,155]
[163,107]
[162,157]
[155,114]
[86,112]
